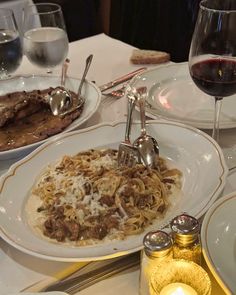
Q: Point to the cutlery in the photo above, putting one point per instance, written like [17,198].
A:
[80,98]
[57,277]
[121,80]
[146,145]
[116,93]
[64,72]
[127,153]
[60,98]
[81,281]
[87,66]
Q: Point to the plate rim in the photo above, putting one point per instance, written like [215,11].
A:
[12,170]
[155,115]
[206,253]
[6,155]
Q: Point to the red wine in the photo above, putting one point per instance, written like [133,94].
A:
[216,77]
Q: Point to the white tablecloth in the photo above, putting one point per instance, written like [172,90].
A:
[111,60]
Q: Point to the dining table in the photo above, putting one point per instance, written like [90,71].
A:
[111,59]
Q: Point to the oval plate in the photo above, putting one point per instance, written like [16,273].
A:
[28,83]
[193,152]
[172,95]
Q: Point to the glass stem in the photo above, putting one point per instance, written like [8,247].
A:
[216,129]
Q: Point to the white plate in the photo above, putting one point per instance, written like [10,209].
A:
[218,236]
[28,83]
[174,96]
[192,151]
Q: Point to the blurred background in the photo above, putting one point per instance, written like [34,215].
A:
[165,25]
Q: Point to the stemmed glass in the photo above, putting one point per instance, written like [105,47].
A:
[10,44]
[212,57]
[45,37]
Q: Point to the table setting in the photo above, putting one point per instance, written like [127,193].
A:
[106,165]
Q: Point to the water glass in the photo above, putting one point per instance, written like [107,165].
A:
[45,37]
[10,44]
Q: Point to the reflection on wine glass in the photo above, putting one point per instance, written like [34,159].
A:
[45,37]
[10,44]
[212,57]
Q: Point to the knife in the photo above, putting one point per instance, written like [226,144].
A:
[81,281]
[121,79]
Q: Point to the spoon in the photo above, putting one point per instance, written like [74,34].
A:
[80,99]
[147,145]
[60,99]
[87,66]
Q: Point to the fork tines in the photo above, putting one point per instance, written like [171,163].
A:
[127,155]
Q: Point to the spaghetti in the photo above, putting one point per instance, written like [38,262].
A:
[87,198]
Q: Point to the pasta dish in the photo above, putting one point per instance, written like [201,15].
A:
[87,198]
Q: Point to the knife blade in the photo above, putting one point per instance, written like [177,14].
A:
[81,281]
[121,79]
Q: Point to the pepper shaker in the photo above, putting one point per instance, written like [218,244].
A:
[186,238]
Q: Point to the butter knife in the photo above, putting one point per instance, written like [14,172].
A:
[121,79]
[81,281]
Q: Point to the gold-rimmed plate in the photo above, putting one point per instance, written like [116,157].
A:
[218,237]
[28,83]
[193,152]
[172,95]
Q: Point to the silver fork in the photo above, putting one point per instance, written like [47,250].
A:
[127,153]
[118,93]
[110,97]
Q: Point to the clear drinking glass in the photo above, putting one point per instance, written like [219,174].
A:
[10,44]
[45,37]
[212,57]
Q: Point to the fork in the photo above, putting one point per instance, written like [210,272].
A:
[109,97]
[113,95]
[118,93]
[127,153]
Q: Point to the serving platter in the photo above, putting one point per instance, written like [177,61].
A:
[27,83]
[218,235]
[173,95]
[193,152]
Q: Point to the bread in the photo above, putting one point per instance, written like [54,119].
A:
[142,56]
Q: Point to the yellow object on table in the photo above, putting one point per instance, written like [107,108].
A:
[191,275]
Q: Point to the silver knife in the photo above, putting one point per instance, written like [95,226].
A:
[121,79]
[81,281]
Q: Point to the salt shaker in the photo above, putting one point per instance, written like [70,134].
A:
[186,238]
[157,248]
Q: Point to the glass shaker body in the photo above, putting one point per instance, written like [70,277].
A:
[186,236]
[157,248]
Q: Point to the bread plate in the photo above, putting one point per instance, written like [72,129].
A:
[193,152]
[28,83]
[172,95]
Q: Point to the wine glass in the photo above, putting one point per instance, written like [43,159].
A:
[45,37]
[10,44]
[212,56]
